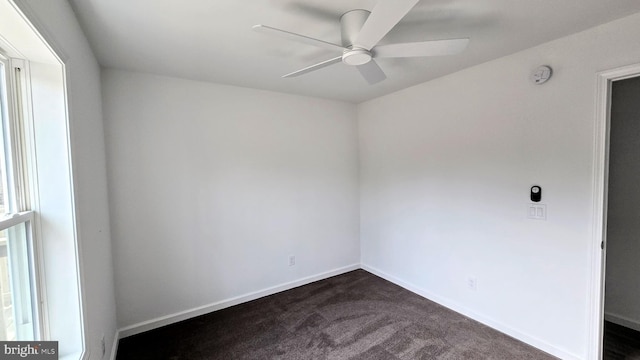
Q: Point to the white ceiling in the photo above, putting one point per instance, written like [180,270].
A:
[212,40]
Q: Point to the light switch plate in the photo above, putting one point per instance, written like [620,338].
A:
[537,211]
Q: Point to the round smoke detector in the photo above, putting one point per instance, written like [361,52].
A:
[541,75]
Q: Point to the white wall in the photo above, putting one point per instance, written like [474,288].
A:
[57,23]
[213,187]
[445,173]
[622,303]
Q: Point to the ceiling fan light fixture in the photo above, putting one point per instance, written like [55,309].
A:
[356,57]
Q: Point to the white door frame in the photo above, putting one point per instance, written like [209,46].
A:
[600,187]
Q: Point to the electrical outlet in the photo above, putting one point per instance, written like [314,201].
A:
[104,346]
[472,283]
[292,260]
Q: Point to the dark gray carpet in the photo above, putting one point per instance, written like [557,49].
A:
[356,315]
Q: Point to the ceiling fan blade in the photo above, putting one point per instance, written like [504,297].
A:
[384,16]
[371,72]
[314,67]
[297,37]
[425,48]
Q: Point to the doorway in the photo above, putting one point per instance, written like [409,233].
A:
[607,153]
[621,335]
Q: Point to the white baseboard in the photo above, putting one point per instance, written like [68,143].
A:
[201,310]
[531,340]
[622,320]
[114,347]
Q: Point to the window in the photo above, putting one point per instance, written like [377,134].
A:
[18,290]
[40,189]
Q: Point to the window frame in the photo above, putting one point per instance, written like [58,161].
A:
[19,163]
[59,234]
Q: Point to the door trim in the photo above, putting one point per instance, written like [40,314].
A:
[602,123]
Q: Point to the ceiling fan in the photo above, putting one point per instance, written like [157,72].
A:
[361,31]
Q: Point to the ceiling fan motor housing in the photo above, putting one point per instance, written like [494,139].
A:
[350,24]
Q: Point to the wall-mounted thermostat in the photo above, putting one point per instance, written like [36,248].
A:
[536,193]
[541,75]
